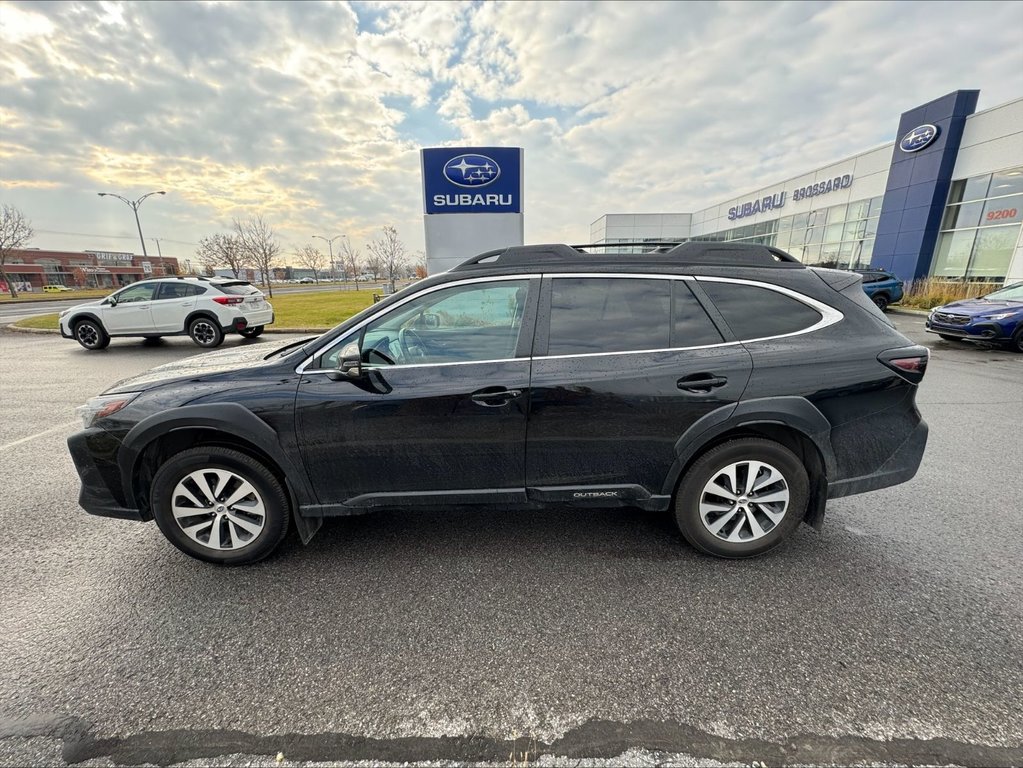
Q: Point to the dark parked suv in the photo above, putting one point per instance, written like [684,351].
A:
[726,383]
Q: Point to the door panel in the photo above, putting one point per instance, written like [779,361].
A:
[172,305]
[410,429]
[615,419]
[133,311]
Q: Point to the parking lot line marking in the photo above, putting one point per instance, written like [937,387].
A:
[38,434]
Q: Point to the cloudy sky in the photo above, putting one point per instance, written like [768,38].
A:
[313,113]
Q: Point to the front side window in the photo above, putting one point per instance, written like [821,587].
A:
[140,292]
[753,312]
[463,323]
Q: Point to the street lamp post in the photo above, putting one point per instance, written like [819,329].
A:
[330,248]
[134,205]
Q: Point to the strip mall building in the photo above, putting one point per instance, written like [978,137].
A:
[32,268]
[943,200]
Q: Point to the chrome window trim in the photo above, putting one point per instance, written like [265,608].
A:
[301,368]
[829,316]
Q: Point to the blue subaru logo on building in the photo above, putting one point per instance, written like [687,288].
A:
[471,170]
[919,138]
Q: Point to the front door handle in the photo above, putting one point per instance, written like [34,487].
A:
[701,382]
[493,397]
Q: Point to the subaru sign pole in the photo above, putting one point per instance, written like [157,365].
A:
[472,202]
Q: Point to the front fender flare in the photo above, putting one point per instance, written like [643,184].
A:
[230,419]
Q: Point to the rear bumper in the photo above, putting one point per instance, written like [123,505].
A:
[900,467]
[94,452]
[250,320]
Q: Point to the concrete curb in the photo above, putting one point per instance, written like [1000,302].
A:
[16,329]
[908,311]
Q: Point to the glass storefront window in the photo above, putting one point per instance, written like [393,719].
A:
[799,221]
[858,210]
[833,233]
[870,228]
[862,254]
[836,214]
[976,188]
[1006,183]
[875,205]
[962,216]
[1001,210]
[854,230]
[811,254]
[814,235]
[953,254]
[992,251]
[783,239]
[785,223]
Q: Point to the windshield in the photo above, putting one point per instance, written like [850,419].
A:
[1008,293]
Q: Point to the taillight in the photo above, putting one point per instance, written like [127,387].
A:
[909,362]
[228,299]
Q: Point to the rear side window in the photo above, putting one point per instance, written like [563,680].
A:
[593,315]
[238,289]
[756,313]
[179,290]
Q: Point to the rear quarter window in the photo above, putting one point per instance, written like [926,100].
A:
[753,312]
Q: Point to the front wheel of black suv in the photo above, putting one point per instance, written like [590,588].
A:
[219,505]
[742,498]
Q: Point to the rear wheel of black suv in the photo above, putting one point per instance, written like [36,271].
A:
[219,505]
[742,498]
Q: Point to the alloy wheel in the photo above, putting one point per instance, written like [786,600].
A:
[87,334]
[219,509]
[204,332]
[744,501]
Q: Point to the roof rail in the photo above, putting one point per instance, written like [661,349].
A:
[691,253]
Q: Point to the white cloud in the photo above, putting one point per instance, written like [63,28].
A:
[313,114]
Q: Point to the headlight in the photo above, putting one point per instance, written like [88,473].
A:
[105,405]
[1001,316]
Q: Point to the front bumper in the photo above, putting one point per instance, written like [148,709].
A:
[94,452]
[982,331]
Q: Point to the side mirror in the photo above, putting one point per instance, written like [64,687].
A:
[349,365]
[430,320]
[111,300]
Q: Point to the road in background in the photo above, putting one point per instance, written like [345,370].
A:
[893,636]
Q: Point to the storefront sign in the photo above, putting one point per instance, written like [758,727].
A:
[823,187]
[768,203]
[472,180]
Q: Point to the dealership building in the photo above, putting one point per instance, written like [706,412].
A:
[944,199]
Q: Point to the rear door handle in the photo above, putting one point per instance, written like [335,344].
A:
[493,397]
[701,382]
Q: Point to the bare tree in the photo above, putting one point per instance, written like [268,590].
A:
[259,244]
[220,251]
[349,258]
[419,264]
[390,252]
[15,232]
[312,258]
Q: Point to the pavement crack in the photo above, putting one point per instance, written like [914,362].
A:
[593,739]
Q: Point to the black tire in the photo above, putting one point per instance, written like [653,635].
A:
[709,467]
[90,334]
[206,332]
[267,486]
[251,333]
[946,337]
[1017,339]
[881,300]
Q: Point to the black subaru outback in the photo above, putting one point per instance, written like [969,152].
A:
[729,384]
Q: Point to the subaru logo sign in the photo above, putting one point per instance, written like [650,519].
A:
[471,170]
[919,138]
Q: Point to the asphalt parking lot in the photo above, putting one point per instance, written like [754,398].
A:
[894,636]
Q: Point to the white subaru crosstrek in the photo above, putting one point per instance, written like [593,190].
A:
[202,308]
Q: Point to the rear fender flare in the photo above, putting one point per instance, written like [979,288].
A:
[796,413]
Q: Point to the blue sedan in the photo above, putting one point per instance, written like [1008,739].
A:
[996,318]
